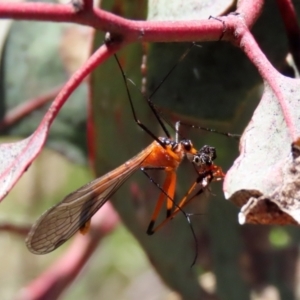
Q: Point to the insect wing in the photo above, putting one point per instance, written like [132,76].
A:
[64,219]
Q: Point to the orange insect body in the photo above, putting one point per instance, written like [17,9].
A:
[207,172]
[74,212]
[165,157]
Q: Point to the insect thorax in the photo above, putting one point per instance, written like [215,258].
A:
[185,145]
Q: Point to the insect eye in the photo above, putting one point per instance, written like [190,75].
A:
[196,160]
[187,144]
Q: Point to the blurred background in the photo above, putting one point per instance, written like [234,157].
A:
[215,86]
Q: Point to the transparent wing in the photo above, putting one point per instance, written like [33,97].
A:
[63,220]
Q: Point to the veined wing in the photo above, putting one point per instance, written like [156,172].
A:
[64,219]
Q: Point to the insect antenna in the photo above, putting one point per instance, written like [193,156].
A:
[161,115]
[153,107]
[182,57]
[231,135]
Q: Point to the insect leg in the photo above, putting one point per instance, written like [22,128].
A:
[167,191]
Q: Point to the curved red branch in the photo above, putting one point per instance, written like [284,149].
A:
[250,10]
[87,4]
[28,106]
[103,53]
[18,156]
[158,31]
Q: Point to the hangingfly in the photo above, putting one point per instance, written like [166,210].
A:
[63,220]
[74,212]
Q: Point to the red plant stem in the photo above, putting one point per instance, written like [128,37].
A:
[265,68]
[22,110]
[28,149]
[95,60]
[59,13]
[245,40]
[88,4]
[250,10]
[158,31]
